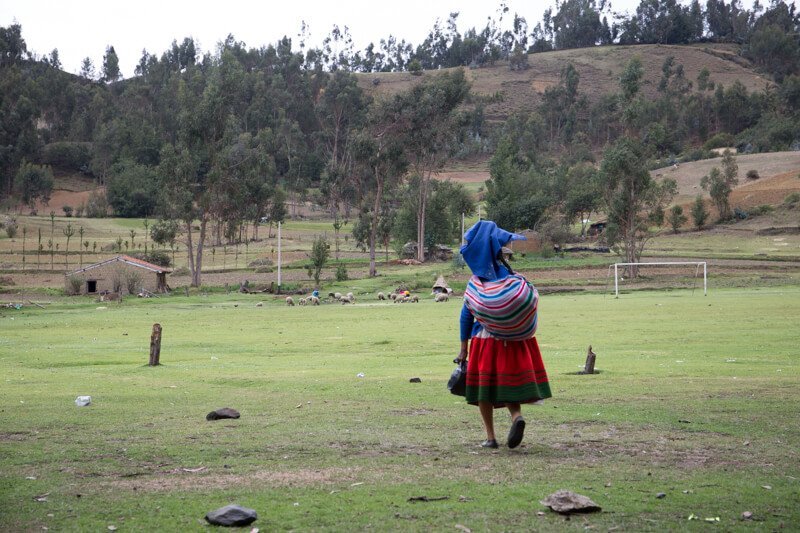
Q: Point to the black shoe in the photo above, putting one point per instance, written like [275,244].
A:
[516,432]
[489,444]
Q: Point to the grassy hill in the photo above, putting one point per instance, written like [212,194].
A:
[599,70]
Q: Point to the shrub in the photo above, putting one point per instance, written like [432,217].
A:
[181,271]
[262,269]
[67,155]
[164,232]
[341,272]
[11,229]
[720,140]
[261,262]
[752,174]
[792,200]
[67,210]
[740,214]
[157,257]
[97,205]
[74,285]
[699,213]
[133,281]
[762,209]
[676,218]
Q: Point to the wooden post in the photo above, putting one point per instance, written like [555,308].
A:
[155,345]
[588,368]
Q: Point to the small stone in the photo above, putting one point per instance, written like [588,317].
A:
[661,495]
[566,502]
[232,515]
[415,380]
[747,515]
[225,412]
[768,487]
[83,401]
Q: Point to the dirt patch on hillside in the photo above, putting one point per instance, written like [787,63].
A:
[776,169]
[464,176]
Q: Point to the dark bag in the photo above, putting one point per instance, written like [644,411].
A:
[458,379]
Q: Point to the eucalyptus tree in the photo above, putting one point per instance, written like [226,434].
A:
[632,199]
[431,126]
[379,163]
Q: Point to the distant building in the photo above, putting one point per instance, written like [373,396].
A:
[532,245]
[119,274]
[597,228]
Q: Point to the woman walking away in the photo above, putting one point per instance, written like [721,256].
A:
[504,368]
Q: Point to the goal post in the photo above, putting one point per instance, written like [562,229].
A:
[698,264]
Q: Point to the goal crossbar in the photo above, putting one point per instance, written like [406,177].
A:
[697,263]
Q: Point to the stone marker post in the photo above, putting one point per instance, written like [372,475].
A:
[155,345]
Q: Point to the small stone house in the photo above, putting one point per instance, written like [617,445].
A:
[123,274]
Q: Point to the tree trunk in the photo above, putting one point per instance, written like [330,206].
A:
[189,247]
[198,263]
[373,231]
[421,220]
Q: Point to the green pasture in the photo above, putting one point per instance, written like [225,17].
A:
[697,398]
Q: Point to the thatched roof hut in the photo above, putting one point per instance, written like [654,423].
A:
[441,286]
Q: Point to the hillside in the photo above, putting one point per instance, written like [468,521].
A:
[599,69]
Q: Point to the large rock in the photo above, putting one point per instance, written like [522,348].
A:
[225,412]
[232,516]
[566,502]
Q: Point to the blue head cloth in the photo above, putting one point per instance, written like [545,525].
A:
[484,241]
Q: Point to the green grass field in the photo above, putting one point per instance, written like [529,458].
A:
[698,398]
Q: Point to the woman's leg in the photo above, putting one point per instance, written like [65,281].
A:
[487,414]
[517,430]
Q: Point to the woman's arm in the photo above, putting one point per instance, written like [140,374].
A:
[466,322]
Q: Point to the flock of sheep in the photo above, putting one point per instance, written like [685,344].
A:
[349,298]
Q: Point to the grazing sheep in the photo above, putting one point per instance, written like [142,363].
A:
[337,296]
[441,297]
[302,301]
[393,296]
[415,299]
[381,296]
[350,296]
[289,300]
[314,300]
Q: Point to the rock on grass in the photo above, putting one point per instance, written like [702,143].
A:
[232,516]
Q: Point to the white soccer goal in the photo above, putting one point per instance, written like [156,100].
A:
[697,264]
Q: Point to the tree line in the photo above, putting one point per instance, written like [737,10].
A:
[223,140]
[218,140]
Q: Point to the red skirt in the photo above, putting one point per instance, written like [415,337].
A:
[504,372]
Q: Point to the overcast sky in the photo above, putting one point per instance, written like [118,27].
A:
[84,28]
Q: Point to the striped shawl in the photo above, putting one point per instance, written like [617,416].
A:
[505,308]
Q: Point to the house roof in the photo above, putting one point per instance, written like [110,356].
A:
[128,260]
